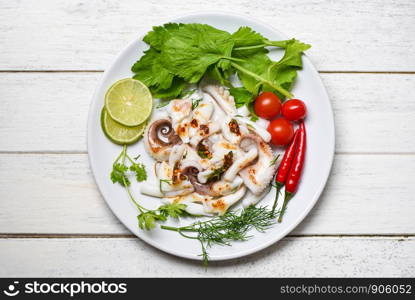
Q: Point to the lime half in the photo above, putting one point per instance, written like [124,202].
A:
[118,133]
[129,102]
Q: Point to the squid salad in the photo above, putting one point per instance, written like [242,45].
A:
[208,154]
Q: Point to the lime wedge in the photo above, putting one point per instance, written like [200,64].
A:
[128,102]
[118,133]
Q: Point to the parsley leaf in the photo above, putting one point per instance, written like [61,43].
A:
[173,210]
[147,220]
[140,171]
[119,170]
[118,174]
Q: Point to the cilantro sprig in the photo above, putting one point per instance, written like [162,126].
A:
[146,218]
[119,169]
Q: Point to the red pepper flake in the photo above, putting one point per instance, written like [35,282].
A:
[234,127]
[194,123]
[204,129]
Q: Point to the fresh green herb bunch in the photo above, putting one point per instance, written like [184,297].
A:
[181,54]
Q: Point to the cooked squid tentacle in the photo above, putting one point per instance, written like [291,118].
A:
[172,184]
[193,203]
[252,199]
[179,111]
[218,113]
[210,155]
[204,131]
[159,138]
[223,98]
[176,154]
[258,175]
[242,162]
[243,111]
[222,187]
[151,189]
[258,129]
[222,204]
[233,130]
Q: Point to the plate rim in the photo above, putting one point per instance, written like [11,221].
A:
[269,242]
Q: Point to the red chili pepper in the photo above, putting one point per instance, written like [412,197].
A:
[284,167]
[294,175]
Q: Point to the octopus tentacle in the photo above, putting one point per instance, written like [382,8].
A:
[258,175]
[222,97]
[159,138]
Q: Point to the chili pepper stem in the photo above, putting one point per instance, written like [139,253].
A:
[277,194]
[287,198]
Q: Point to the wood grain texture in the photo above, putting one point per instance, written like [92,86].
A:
[48,111]
[56,193]
[374,35]
[291,257]
[370,191]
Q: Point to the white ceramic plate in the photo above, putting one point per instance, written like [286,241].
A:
[320,151]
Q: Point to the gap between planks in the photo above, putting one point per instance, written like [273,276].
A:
[121,236]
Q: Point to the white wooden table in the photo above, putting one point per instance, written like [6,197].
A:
[53,221]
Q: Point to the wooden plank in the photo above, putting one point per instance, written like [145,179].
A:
[48,111]
[292,257]
[62,191]
[374,35]
[366,194]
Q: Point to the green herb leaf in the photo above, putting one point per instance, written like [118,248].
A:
[175,89]
[193,48]
[195,103]
[147,220]
[258,64]
[140,171]
[173,210]
[245,36]
[160,34]
[272,74]
[242,96]
[119,175]
[151,71]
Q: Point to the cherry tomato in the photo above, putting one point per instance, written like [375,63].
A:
[281,130]
[267,105]
[294,110]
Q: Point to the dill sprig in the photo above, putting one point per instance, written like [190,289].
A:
[233,226]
